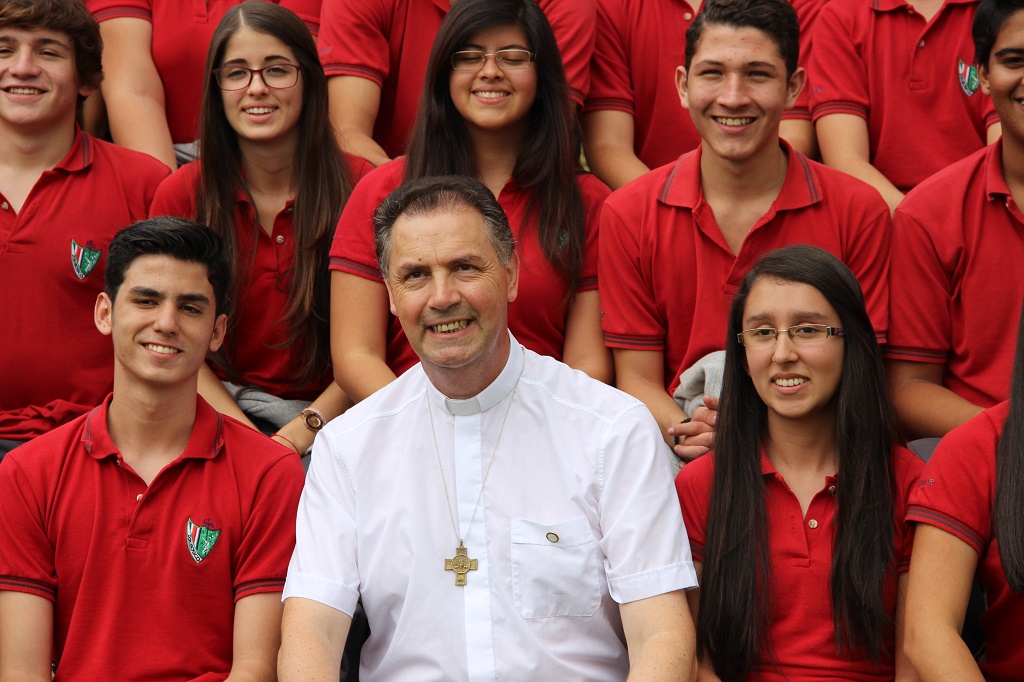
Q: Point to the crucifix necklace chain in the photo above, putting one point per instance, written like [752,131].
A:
[461,564]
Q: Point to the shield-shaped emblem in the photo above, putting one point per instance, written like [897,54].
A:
[201,540]
[968,78]
[84,258]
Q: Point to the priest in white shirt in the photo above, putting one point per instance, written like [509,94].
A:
[501,515]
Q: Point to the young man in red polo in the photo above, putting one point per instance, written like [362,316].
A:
[149,538]
[63,195]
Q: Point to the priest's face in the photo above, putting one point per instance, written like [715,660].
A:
[451,293]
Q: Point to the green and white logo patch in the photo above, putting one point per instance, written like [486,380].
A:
[201,539]
[968,78]
[84,258]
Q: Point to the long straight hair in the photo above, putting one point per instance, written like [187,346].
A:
[549,161]
[734,615]
[1009,525]
[322,178]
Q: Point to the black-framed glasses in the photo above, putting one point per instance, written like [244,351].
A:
[507,60]
[800,333]
[277,76]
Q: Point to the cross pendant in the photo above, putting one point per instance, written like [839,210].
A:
[461,564]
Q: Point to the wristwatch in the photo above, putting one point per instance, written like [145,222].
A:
[313,418]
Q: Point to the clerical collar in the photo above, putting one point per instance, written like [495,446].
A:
[497,391]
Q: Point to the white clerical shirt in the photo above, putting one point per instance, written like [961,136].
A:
[577,515]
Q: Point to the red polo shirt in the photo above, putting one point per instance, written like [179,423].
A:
[137,588]
[536,317]
[55,364]
[882,61]
[389,41]
[668,275]
[182,30]
[801,638]
[956,493]
[951,300]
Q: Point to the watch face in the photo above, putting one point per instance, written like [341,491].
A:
[313,421]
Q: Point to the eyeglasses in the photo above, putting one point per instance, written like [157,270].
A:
[802,333]
[277,76]
[507,60]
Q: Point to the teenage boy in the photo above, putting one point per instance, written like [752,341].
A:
[63,195]
[956,238]
[149,538]
[676,243]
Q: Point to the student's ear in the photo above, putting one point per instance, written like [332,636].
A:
[983,79]
[513,277]
[797,82]
[220,330]
[102,314]
[681,86]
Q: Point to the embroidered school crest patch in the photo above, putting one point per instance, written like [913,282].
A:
[968,78]
[201,539]
[84,258]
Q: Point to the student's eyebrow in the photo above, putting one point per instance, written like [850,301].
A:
[37,42]
[760,318]
[147,292]
[194,298]
[512,46]
[266,60]
[1007,51]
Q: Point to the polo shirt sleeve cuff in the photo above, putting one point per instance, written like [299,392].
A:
[329,592]
[954,527]
[817,111]
[606,103]
[911,354]
[354,268]
[354,70]
[630,588]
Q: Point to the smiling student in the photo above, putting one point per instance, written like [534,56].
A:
[676,243]
[271,182]
[63,195]
[495,107]
[149,538]
[796,518]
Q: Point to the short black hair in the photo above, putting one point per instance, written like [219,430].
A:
[430,195]
[776,18]
[988,21]
[178,238]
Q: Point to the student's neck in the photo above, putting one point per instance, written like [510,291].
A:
[150,426]
[802,444]
[927,8]
[34,151]
[496,157]
[269,169]
[754,177]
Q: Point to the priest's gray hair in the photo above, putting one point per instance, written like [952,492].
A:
[444,193]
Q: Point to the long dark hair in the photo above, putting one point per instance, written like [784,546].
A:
[322,179]
[548,163]
[734,615]
[1009,525]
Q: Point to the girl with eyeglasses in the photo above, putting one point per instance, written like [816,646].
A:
[496,107]
[967,511]
[796,518]
[271,182]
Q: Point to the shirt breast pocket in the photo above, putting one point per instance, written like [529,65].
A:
[555,570]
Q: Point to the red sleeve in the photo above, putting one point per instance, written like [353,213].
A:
[358,167]
[353,250]
[114,9]
[573,24]
[594,193]
[629,307]
[867,256]
[693,486]
[611,85]
[354,39]
[919,303]
[27,561]
[308,11]
[836,66]
[956,491]
[176,196]
[268,536]
[907,470]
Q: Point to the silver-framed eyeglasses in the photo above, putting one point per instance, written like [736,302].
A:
[799,333]
[278,76]
[507,60]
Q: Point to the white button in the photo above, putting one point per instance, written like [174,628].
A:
[687,16]
[832,490]
[552,537]
[138,498]
[280,239]
[921,44]
[812,523]
[4,206]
